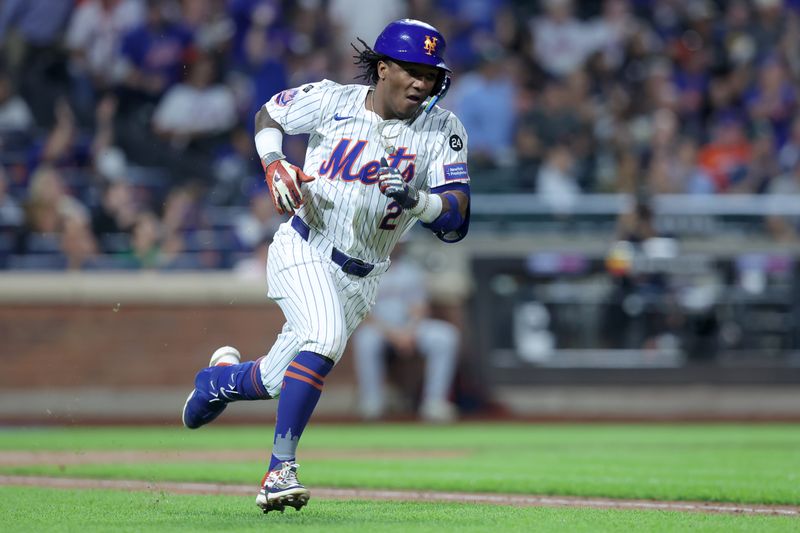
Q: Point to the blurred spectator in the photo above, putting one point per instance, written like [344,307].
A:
[642,309]
[772,102]
[15,115]
[484,99]
[263,68]
[152,56]
[92,39]
[728,153]
[264,14]
[210,24]
[49,204]
[691,82]
[117,212]
[770,25]
[556,182]
[182,211]
[78,245]
[39,60]
[736,34]
[554,118]
[612,30]
[48,209]
[400,322]
[192,115]
[193,119]
[686,173]
[145,242]
[724,96]
[761,168]
[561,42]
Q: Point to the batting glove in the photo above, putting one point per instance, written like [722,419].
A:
[284,181]
[392,184]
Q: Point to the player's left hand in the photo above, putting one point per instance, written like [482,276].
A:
[393,185]
[284,181]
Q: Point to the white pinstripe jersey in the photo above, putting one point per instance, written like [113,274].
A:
[344,151]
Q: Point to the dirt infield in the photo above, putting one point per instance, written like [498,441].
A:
[20,458]
[406,495]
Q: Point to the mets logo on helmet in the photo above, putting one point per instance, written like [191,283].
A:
[430,44]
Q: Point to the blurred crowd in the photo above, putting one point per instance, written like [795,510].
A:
[126,125]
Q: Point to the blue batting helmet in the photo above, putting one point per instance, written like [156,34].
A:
[412,41]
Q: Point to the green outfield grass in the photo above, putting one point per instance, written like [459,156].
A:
[53,510]
[757,463]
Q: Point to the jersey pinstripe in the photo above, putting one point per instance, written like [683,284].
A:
[321,303]
[345,146]
[345,208]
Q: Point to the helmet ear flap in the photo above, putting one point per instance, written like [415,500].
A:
[440,89]
[442,84]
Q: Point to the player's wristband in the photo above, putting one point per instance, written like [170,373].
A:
[269,140]
[428,208]
[271,157]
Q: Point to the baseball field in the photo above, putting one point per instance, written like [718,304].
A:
[404,477]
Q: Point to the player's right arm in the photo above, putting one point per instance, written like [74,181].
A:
[291,111]
[263,121]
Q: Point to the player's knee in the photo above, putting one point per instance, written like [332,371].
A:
[440,337]
[331,346]
[273,385]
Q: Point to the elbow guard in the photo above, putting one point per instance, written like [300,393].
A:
[450,226]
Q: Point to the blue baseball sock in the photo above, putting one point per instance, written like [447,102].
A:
[302,387]
[240,382]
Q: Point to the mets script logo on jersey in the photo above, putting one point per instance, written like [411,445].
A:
[430,44]
[341,161]
[284,98]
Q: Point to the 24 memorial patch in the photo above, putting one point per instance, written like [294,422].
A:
[456,144]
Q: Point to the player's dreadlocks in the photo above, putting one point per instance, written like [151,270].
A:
[367,59]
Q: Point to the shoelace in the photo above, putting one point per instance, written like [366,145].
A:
[288,473]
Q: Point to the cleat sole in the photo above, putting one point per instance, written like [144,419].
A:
[298,501]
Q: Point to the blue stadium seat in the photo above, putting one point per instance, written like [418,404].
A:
[44,243]
[36,262]
[115,242]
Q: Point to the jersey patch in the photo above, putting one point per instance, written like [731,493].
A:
[456,144]
[284,98]
[307,88]
[455,171]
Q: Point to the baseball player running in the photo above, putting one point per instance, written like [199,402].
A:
[380,157]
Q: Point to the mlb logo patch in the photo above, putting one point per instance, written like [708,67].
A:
[455,171]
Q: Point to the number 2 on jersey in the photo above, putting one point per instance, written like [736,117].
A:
[388,222]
